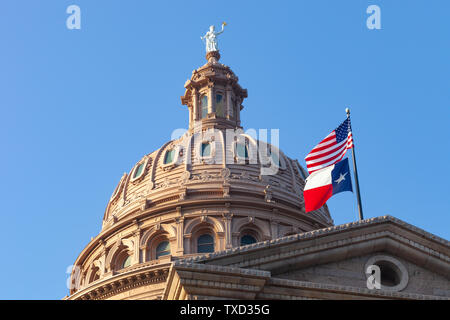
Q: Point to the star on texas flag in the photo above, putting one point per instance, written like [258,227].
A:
[326,182]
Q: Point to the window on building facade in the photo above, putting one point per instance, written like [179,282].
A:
[247,239]
[127,262]
[169,157]
[220,106]
[204,106]
[163,249]
[206,149]
[241,150]
[205,243]
[138,171]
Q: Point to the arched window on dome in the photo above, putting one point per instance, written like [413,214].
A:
[169,157]
[163,249]
[205,149]
[220,105]
[127,262]
[203,106]
[247,239]
[232,107]
[241,151]
[205,243]
[95,275]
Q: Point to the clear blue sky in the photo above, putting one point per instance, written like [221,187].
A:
[80,107]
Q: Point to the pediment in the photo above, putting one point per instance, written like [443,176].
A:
[396,274]
[335,259]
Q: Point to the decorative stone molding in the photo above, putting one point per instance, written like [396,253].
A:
[322,233]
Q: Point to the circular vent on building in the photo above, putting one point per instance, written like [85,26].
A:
[393,274]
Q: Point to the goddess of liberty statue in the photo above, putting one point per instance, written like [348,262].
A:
[211,38]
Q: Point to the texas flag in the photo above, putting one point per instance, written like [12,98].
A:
[326,182]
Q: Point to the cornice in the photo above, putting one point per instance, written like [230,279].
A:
[334,230]
[360,292]
[118,283]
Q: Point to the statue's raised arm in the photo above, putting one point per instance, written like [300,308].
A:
[211,38]
[223,27]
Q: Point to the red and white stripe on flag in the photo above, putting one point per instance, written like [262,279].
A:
[331,149]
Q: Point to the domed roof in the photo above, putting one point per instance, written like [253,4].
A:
[176,173]
[181,173]
[214,188]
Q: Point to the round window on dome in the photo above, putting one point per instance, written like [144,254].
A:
[169,157]
[139,171]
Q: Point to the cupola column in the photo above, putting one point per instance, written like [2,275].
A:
[195,107]
[206,82]
[229,102]
[210,97]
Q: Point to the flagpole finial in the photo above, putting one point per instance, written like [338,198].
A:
[348,111]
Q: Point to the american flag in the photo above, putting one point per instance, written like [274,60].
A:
[331,149]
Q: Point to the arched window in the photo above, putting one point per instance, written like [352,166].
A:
[206,149]
[163,249]
[170,156]
[204,106]
[126,262]
[220,106]
[231,110]
[205,243]
[241,150]
[247,239]
[95,275]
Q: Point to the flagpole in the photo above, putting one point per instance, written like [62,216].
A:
[355,172]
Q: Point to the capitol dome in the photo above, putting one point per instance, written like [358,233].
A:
[215,188]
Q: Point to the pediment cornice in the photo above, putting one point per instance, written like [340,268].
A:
[337,243]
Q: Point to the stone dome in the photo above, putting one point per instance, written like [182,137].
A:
[214,188]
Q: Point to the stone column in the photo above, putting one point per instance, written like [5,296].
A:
[195,107]
[228,237]
[136,249]
[188,243]
[229,102]
[180,230]
[210,98]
